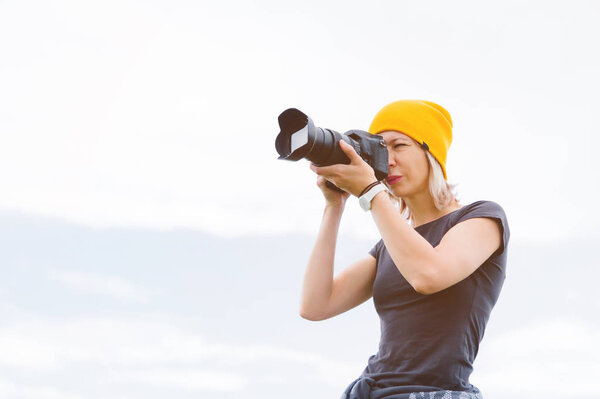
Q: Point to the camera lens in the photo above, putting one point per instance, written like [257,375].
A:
[300,138]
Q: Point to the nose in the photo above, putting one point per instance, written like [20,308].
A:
[391,160]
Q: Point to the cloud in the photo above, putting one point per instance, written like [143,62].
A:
[9,389]
[101,285]
[20,349]
[329,370]
[555,358]
[188,379]
[157,353]
[157,125]
[552,358]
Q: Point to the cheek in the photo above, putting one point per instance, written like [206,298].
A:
[420,166]
[414,163]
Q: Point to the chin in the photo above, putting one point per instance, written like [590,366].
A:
[398,192]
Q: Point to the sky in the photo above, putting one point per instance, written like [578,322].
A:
[134,113]
[154,121]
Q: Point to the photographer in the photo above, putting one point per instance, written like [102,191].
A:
[434,276]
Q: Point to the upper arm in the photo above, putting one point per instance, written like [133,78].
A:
[351,287]
[461,251]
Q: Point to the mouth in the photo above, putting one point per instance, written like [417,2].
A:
[390,180]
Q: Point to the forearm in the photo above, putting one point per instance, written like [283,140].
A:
[318,277]
[412,254]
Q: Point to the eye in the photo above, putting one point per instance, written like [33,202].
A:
[398,145]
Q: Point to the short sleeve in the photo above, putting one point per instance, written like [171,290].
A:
[489,209]
[374,252]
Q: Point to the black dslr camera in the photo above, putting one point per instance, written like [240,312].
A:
[300,138]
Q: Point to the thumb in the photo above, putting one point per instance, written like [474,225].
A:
[349,151]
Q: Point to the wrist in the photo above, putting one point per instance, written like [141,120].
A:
[379,197]
[367,188]
[370,192]
[335,206]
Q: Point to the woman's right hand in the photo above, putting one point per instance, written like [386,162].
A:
[332,197]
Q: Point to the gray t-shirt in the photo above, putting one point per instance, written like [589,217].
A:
[429,342]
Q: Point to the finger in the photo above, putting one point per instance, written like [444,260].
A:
[331,181]
[326,171]
[349,151]
[320,170]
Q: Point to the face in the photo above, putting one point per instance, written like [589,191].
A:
[408,172]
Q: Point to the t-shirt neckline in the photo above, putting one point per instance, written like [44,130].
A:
[441,217]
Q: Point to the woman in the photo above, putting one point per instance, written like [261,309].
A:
[434,276]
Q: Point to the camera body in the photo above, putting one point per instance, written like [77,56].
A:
[300,138]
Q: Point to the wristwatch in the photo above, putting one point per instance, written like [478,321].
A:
[365,199]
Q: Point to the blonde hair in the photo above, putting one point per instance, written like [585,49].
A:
[442,192]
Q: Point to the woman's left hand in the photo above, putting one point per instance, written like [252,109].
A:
[352,178]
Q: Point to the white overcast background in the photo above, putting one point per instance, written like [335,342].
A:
[153,246]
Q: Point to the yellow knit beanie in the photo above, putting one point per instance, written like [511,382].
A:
[426,122]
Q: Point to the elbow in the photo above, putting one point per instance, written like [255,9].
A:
[424,285]
[428,288]
[311,316]
[423,289]
[427,281]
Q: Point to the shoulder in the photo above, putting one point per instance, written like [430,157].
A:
[486,209]
[374,252]
[482,207]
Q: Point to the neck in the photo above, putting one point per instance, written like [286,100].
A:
[423,208]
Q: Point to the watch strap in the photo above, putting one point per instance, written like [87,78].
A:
[365,199]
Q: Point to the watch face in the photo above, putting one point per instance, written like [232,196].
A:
[365,200]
